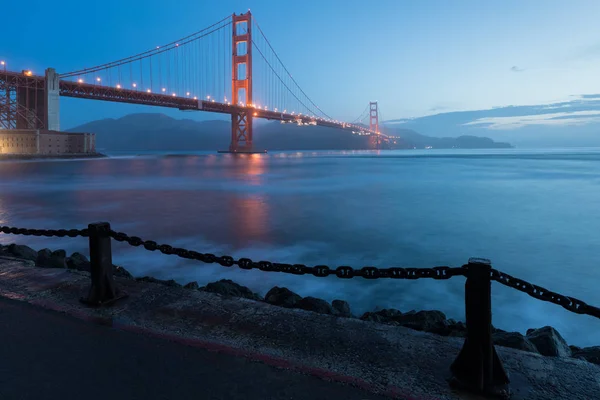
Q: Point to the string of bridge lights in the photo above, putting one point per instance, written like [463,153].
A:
[241,104]
[134,85]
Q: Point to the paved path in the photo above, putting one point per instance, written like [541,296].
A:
[384,359]
[48,355]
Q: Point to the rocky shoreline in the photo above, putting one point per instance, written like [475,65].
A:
[545,341]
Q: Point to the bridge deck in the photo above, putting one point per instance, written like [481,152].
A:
[121,95]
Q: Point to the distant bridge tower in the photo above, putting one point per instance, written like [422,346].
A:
[373,117]
[241,83]
[374,122]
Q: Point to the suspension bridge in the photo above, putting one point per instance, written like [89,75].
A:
[229,67]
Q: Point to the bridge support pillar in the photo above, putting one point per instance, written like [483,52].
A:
[52,96]
[241,131]
[28,101]
[30,105]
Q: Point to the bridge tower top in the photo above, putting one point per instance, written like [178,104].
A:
[373,117]
[241,80]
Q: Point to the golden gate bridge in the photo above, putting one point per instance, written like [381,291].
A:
[229,67]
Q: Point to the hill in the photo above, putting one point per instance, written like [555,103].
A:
[147,132]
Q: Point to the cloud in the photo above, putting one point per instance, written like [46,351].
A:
[514,68]
[550,119]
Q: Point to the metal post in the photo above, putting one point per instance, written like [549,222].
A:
[477,367]
[102,290]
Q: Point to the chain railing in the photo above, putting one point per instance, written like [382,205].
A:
[477,367]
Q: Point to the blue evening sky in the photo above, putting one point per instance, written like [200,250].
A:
[414,57]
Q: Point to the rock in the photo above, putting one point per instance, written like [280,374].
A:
[121,272]
[58,259]
[79,262]
[574,349]
[43,258]
[429,321]
[2,249]
[457,329]
[590,354]
[169,282]
[549,342]
[227,287]
[341,308]
[21,251]
[314,304]
[282,297]
[514,340]
[385,316]
[51,259]
[494,330]
[191,285]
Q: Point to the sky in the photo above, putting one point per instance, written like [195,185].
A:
[415,58]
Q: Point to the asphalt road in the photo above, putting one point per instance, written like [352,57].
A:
[48,355]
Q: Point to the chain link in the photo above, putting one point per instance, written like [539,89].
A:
[45,232]
[344,272]
[570,303]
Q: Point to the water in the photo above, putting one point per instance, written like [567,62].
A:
[533,213]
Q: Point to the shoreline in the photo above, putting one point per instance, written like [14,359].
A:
[18,157]
[545,341]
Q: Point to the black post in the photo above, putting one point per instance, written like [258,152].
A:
[477,367]
[102,290]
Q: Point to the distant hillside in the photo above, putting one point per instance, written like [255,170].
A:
[574,122]
[143,132]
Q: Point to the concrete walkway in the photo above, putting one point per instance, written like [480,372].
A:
[48,355]
[391,361]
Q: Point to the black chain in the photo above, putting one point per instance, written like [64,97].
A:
[570,303]
[45,232]
[344,272]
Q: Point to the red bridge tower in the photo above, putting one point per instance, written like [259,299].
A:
[373,117]
[374,122]
[241,83]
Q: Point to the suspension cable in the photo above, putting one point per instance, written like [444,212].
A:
[277,75]
[288,72]
[152,52]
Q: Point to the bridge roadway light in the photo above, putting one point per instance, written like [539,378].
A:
[148,90]
[80,80]
[118,86]
[134,85]
[164,89]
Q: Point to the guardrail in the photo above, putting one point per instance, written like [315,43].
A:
[477,367]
